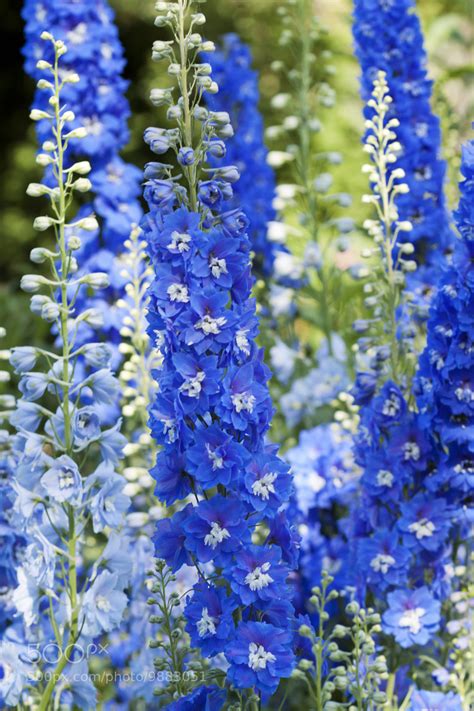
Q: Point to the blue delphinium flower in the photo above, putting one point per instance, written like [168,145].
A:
[412,616]
[421,700]
[255,190]
[213,406]
[388,37]
[260,654]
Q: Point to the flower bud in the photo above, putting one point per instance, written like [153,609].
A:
[82,185]
[89,224]
[43,65]
[97,280]
[37,189]
[32,282]
[74,242]
[83,167]
[80,132]
[37,115]
[38,255]
[42,223]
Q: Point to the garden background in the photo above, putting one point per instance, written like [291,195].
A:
[448,27]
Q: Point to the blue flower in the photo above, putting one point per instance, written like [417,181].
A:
[267,483]
[216,527]
[413,616]
[209,618]
[14,672]
[258,574]
[103,605]
[169,539]
[215,458]
[202,698]
[62,481]
[86,425]
[383,559]
[107,502]
[422,700]
[425,522]
[260,655]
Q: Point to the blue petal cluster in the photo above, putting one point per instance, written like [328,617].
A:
[255,191]
[419,465]
[388,37]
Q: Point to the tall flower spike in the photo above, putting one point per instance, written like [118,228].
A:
[213,407]
[417,456]
[388,38]
[388,344]
[99,104]
[65,482]
[254,192]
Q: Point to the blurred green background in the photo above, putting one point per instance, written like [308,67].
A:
[448,26]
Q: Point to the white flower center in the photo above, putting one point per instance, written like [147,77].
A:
[464,394]
[264,487]
[424,528]
[106,51]
[384,478]
[411,451]
[206,624]
[66,479]
[102,603]
[217,267]
[216,459]
[179,242]
[169,429]
[465,467]
[259,657]
[109,505]
[216,535]
[209,325]
[259,577]
[78,35]
[242,340]
[382,562]
[92,125]
[391,406]
[411,619]
[243,401]
[178,292]
[193,387]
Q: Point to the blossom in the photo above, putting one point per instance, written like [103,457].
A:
[257,573]
[209,618]
[259,656]
[421,700]
[63,480]
[412,617]
[107,501]
[15,672]
[103,604]
[216,527]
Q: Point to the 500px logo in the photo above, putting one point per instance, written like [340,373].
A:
[51,653]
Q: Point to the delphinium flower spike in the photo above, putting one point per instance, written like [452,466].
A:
[99,104]
[415,508]
[388,37]
[213,407]
[386,341]
[66,482]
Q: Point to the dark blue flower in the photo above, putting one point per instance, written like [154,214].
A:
[257,574]
[216,527]
[209,618]
[260,655]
